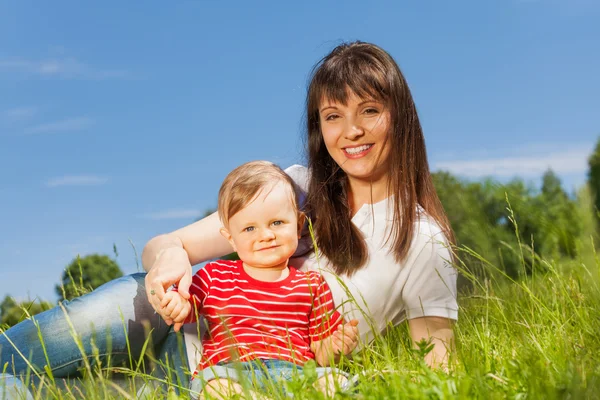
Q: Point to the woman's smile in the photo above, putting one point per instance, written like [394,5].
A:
[357,151]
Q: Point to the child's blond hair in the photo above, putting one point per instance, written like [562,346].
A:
[243,184]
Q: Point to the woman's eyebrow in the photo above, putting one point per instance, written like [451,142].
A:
[327,107]
[368,101]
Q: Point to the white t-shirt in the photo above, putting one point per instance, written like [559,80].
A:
[383,292]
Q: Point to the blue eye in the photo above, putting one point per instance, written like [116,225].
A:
[249,229]
[276,223]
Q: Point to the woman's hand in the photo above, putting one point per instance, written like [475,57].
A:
[168,258]
[172,267]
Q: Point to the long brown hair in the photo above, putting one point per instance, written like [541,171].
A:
[369,72]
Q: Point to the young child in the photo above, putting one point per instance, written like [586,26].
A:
[265,320]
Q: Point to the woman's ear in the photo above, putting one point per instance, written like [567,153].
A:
[301,220]
[225,233]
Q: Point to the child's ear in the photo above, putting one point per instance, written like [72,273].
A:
[301,220]
[225,233]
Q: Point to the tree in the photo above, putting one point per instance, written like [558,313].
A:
[558,223]
[594,176]
[11,312]
[85,274]
[482,221]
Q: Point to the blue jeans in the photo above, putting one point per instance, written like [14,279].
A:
[116,319]
[12,388]
[263,375]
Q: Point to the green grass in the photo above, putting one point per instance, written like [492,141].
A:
[533,338]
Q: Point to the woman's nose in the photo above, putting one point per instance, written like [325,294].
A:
[354,130]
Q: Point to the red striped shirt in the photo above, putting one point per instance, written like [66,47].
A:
[250,319]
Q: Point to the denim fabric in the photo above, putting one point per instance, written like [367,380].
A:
[261,374]
[114,319]
[12,388]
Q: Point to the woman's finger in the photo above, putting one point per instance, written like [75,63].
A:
[155,292]
[184,284]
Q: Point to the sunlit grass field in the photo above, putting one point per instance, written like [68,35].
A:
[535,337]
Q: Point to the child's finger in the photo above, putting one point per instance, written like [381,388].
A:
[349,330]
[166,299]
[168,310]
[176,311]
[337,345]
[180,317]
[348,343]
[183,313]
[177,326]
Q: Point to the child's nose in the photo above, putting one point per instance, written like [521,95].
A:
[267,234]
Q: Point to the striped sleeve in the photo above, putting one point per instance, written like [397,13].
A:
[324,318]
[199,291]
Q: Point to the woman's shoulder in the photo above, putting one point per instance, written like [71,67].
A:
[299,174]
[428,232]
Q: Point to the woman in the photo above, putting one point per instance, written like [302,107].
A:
[380,230]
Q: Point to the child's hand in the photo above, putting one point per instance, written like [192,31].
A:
[175,307]
[345,338]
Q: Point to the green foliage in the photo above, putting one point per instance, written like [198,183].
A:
[594,175]
[85,274]
[479,213]
[533,338]
[11,312]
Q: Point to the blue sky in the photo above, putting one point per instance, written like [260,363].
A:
[117,124]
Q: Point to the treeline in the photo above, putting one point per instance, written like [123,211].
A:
[511,226]
[514,225]
[82,275]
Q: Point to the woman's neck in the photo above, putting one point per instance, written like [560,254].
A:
[362,192]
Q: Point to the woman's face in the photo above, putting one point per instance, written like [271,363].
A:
[356,136]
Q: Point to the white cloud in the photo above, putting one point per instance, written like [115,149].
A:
[173,214]
[65,125]
[20,113]
[60,67]
[77,180]
[566,162]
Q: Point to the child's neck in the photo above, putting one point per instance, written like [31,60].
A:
[274,274]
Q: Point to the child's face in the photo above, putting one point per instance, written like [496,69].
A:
[265,232]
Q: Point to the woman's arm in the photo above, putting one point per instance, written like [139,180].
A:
[169,258]
[439,331]
[201,241]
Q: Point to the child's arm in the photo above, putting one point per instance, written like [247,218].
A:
[343,341]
